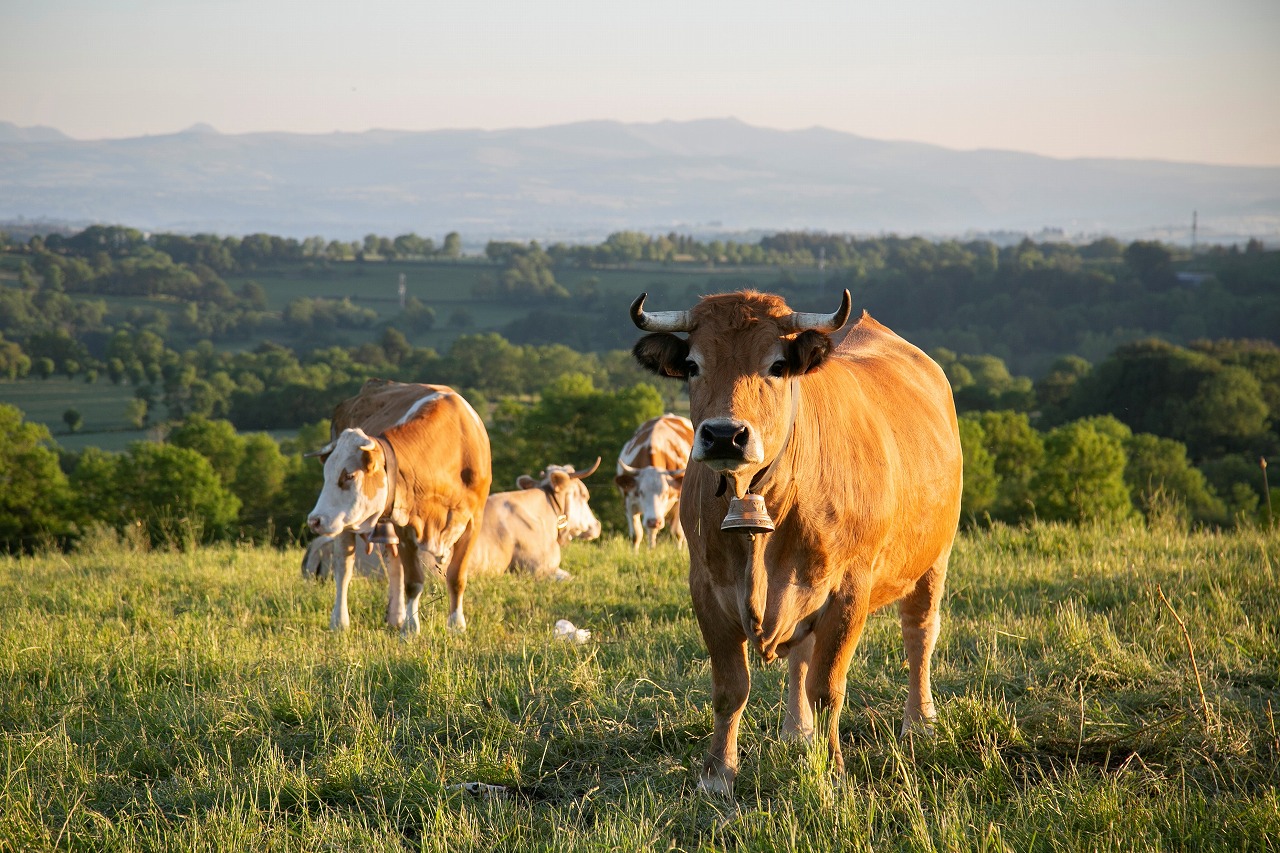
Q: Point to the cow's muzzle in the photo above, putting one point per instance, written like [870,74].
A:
[726,441]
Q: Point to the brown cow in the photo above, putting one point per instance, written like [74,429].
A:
[418,456]
[856,453]
[650,472]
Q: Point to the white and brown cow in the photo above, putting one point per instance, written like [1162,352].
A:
[650,473]
[417,456]
[855,451]
[524,530]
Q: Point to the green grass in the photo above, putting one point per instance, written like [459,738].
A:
[160,700]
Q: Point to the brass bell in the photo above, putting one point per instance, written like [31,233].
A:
[747,514]
[384,533]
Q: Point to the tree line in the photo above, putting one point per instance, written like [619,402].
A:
[1150,426]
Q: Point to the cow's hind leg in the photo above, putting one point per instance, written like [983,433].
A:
[836,636]
[395,581]
[920,617]
[344,566]
[455,578]
[413,579]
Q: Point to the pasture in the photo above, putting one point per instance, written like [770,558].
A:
[194,699]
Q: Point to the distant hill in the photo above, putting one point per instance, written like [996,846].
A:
[10,132]
[585,180]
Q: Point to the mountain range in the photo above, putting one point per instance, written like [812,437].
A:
[584,180]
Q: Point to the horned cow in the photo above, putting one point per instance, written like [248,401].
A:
[650,474]
[854,453]
[415,456]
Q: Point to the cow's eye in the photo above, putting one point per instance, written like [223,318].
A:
[690,368]
[344,480]
[778,368]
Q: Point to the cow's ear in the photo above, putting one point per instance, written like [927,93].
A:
[664,354]
[366,459]
[524,481]
[626,482]
[807,352]
[560,481]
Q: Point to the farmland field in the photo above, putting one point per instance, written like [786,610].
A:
[175,700]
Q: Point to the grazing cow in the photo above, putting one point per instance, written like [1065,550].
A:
[416,456]
[856,453]
[525,529]
[650,472]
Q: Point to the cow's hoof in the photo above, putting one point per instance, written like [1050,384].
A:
[715,786]
[457,623]
[561,575]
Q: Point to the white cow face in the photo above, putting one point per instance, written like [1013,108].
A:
[355,485]
[571,496]
[651,493]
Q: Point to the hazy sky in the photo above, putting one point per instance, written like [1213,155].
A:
[1173,79]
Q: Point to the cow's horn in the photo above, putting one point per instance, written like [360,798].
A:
[582,475]
[658,321]
[627,469]
[328,448]
[800,321]
[674,472]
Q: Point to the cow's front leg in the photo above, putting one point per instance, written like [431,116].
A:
[836,636]
[637,530]
[730,686]
[920,617]
[344,565]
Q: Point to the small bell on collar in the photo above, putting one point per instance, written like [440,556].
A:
[384,533]
[747,514]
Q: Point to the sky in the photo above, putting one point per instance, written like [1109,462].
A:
[1184,80]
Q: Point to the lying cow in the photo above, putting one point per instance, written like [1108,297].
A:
[855,452]
[417,457]
[524,530]
[650,473]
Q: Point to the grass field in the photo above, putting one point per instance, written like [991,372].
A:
[170,700]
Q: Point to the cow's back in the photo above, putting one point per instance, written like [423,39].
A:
[384,403]
[663,442]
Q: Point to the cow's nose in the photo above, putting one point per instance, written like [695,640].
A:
[724,439]
[655,523]
[315,523]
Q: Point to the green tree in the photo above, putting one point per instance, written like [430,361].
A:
[452,247]
[980,482]
[1017,452]
[215,440]
[1082,478]
[259,481]
[73,419]
[1161,478]
[136,412]
[93,488]
[34,500]
[174,493]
